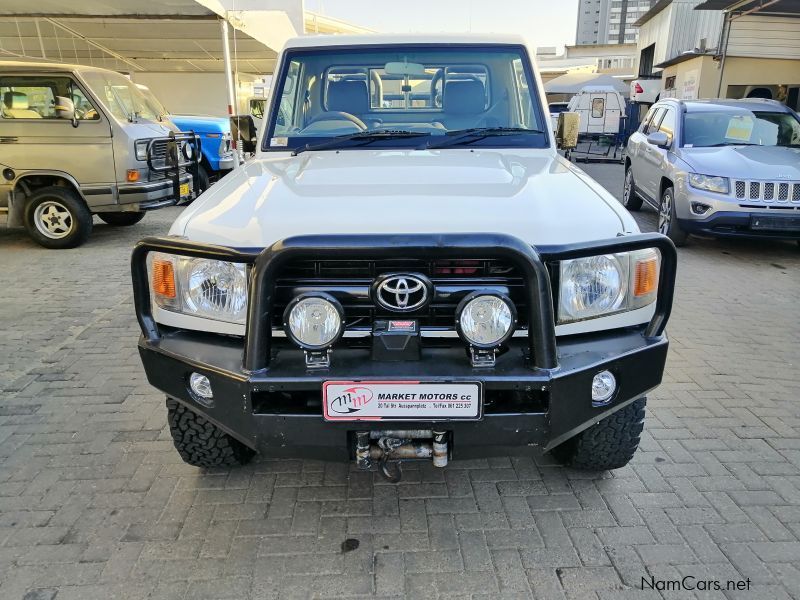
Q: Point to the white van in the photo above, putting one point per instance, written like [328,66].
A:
[601,109]
[78,141]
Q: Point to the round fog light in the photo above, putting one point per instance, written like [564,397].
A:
[200,386]
[486,320]
[314,322]
[604,385]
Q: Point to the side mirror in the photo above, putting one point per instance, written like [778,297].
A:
[567,130]
[658,138]
[65,109]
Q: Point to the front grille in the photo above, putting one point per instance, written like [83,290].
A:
[350,281]
[158,155]
[767,191]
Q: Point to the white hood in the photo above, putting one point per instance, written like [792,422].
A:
[531,194]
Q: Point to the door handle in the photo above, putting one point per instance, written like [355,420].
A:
[8,140]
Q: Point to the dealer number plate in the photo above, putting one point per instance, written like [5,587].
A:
[184,191]
[400,400]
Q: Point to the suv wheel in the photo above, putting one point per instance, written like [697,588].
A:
[630,199]
[121,219]
[667,220]
[609,444]
[56,217]
[201,443]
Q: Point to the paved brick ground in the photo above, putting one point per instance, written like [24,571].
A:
[95,503]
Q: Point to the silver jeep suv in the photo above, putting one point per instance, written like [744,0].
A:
[717,167]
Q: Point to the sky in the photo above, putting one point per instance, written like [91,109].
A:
[543,22]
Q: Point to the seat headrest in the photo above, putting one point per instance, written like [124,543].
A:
[348,96]
[464,97]
[16,100]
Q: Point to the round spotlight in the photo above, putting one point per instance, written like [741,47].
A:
[200,386]
[604,384]
[485,320]
[314,322]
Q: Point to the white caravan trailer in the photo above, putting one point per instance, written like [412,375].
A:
[601,109]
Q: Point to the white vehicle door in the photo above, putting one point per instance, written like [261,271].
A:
[655,159]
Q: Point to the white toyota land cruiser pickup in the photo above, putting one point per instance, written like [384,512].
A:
[407,269]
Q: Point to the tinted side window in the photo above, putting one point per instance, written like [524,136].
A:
[34,97]
[646,120]
[654,122]
[668,124]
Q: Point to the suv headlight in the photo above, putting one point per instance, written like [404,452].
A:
[140,148]
[596,286]
[212,289]
[709,183]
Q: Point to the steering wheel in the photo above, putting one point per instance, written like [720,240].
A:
[335,115]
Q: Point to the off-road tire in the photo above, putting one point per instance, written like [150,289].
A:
[609,444]
[630,199]
[121,219]
[201,443]
[69,203]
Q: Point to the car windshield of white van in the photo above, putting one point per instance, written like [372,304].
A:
[120,96]
[740,127]
[406,97]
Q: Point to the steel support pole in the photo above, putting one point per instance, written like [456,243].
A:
[226,53]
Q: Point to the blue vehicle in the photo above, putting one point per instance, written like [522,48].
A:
[216,145]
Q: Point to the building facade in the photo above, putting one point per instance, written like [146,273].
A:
[609,21]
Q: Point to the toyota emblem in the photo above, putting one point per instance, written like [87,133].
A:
[402,292]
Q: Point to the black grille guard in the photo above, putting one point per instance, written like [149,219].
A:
[174,159]
[529,259]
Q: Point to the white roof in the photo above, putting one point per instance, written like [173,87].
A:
[380,39]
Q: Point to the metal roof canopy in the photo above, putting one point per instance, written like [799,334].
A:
[764,7]
[572,83]
[162,35]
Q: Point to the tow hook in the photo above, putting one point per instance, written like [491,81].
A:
[388,448]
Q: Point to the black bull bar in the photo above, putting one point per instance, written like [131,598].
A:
[530,260]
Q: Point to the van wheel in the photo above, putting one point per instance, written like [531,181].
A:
[121,219]
[56,217]
[630,199]
[667,219]
[608,444]
[201,443]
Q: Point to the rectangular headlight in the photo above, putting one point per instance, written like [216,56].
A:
[709,183]
[141,149]
[596,286]
[212,289]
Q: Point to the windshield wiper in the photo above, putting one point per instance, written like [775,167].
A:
[365,137]
[474,134]
[717,145]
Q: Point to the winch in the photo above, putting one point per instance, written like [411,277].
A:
[389,447]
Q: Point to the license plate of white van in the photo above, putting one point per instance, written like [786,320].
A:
[184,189]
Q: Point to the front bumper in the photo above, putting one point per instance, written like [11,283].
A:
[149,195]
[537,394]
[740,224]
[226,162]
[523,407]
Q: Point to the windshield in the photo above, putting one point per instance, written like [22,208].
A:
[383,95]
[120,96]
[740,127]
[150,98]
